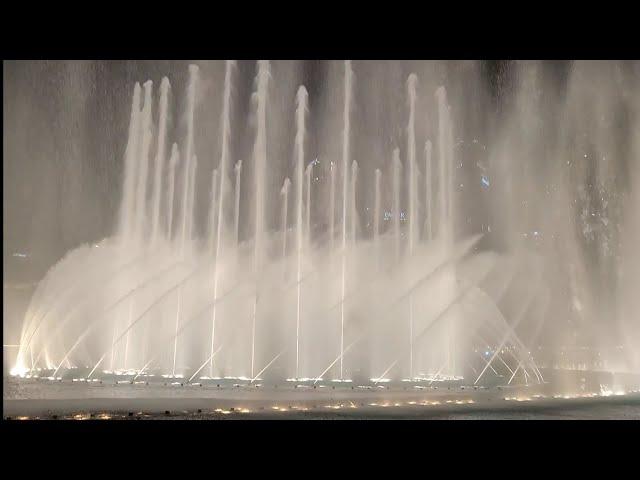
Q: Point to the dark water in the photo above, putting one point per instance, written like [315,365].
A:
[591,412]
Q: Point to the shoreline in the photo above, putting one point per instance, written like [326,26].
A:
[72,401]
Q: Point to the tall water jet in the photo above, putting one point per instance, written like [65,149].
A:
[143,162]
[224,159]
[214,222]
[284,192]
[396,165]
[226,134]
[192,193]
[186,214]
[411,158]
[348,78]
[260,166]
[236,207]
[308,174]
[141,187]
[213,214]
[171,181]
[352,201]
[191,104]
[376,217]
[301,107]
[159,160]
[128,194]
[260,159]
[445,167]
[332,222]
[428,191]
[332,206]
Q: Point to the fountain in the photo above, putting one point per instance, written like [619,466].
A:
[402,291]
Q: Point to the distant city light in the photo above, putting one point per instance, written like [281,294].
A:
[389,215]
